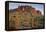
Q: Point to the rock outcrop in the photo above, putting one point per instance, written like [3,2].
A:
[23,17]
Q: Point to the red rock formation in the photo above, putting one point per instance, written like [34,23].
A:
[24,12]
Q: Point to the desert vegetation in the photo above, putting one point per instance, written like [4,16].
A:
[25,17]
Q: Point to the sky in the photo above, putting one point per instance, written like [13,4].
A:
[39,7]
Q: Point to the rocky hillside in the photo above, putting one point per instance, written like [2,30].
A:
[24,17]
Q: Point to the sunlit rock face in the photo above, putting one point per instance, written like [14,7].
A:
[22,17]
